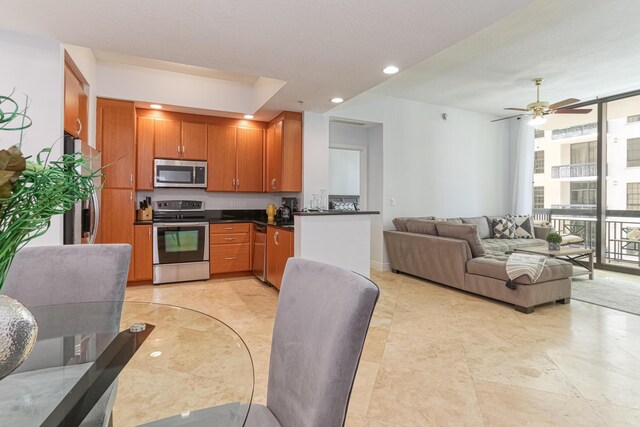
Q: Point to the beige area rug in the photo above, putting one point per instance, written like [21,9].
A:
[623,295]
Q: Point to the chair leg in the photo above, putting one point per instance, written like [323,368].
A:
[525,310]
[564,301]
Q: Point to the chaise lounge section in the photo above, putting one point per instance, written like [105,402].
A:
[452,253]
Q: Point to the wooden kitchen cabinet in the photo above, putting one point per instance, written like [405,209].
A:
[116,219]
[235,159]
[143,252]
[145,154]
[194,141]
[115,139]
[230,248]
[279,250]
[75,105]
[284,154]
[168,139]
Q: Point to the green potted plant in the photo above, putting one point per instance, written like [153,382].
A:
[32,191]
[554,239]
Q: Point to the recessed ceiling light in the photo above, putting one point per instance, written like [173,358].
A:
[156,106]
[248,116]
[337,100]
[391,69]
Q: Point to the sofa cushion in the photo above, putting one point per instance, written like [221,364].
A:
[483,226]
[495,265]
[401,222]
[524,226]
[504,245]
[450,220]
[468,232]
[504,228]
[422,226]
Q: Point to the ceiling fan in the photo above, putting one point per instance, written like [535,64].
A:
[539,109]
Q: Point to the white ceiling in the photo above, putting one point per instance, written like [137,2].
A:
[322,48]
[583,49]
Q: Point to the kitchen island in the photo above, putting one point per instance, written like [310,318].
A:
[341,238]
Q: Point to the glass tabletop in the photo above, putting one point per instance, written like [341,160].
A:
[191,366]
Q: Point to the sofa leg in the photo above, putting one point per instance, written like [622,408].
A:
[525,310]
[393,270]
[564,301]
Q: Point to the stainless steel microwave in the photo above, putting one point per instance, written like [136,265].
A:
[179,173]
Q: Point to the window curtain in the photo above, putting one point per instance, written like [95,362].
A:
[522,171]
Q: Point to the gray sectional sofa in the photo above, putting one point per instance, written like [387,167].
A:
[463,253]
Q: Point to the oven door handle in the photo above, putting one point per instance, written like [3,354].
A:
[180,224]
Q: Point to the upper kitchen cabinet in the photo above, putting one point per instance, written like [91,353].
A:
[235,158]
[75,105]
[168,139]
[145,156]
[284,154]
[194,141]
[115,138]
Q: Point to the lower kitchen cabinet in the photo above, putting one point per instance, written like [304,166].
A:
[117,214]
[142,252]
[279,250]
[230,248]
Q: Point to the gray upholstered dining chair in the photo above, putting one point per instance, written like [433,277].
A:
[49,275]
[321,323]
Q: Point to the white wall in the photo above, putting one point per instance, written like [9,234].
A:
[315,155]
[34,67]
[344,171]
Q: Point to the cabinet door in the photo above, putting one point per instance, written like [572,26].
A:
[291,156]
[274,157]
[272,257]
[249,163]
[285,245]
[143,252]
[194,141]
[144,154]
[115,138]
[168,143]
[75,105]
[221,174]
[116,219]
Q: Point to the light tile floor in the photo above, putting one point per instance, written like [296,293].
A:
[436,356]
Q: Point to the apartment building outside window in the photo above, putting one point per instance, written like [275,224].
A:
[538,197]
[633,152]
[633,196]
[584,152]
[538,165]
[583,193]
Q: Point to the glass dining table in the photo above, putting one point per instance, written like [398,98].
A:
[143,363]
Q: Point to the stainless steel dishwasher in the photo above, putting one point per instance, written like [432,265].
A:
[260,252]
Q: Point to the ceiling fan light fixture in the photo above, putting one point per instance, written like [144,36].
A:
[537,120]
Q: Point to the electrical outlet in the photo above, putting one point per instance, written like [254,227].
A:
[392,201]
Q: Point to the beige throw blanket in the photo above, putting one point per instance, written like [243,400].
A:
[519,264]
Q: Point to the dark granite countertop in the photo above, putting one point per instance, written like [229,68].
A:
[335,212]
[139,222]
[256,216]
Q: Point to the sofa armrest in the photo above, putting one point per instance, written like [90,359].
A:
[439,259]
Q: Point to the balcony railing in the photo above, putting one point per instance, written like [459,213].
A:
[578,170]
[581,221]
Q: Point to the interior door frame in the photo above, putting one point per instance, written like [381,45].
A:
[363,169]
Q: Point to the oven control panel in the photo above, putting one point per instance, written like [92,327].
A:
[178,205]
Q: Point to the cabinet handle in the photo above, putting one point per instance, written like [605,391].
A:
[233,183]
[273,184]
[131,179]
[228,228]
[130,196]
[149,233]
[178,149]
[229,258]
[79,126]
[237,183]
[229,238]
[275,237]
[184,150]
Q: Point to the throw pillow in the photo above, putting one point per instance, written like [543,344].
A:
[468,232]
[401,222]
[504,228]
[422,226]
[450,220]
[524,226]
[483,226]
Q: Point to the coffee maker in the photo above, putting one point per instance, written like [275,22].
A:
[291,203]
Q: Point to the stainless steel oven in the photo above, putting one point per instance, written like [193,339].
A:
[180,251]
[179,173]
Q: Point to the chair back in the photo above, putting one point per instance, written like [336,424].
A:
[46,275]
[321,323]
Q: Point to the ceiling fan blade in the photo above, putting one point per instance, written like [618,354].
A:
[517,109]
[567,101]
[573,111]
[505,118]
